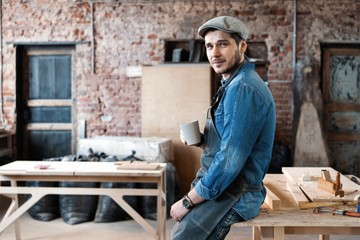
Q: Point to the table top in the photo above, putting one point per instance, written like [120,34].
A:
[289,214]
[302,218]
[53,168]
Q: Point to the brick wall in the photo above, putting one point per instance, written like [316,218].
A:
[133,33]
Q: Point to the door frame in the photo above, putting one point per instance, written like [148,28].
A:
[337,107]
[22,54]
[328,50]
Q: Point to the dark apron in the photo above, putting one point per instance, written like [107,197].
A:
[203,218]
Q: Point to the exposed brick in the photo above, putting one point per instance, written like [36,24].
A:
[133,34]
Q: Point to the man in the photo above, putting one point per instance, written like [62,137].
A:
[237,141]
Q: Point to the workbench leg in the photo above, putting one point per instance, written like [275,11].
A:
[161,207]
[266,232]
[324,237]
[279,233]
[256,233]
[17,222]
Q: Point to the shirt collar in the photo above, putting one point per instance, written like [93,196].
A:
[226,81]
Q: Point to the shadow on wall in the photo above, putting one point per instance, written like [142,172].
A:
[281,157]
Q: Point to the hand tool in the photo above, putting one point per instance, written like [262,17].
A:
[307,205]
[334,187]
[336,212]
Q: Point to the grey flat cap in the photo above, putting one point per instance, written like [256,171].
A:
[227,24]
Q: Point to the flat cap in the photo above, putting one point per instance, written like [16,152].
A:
[226,24]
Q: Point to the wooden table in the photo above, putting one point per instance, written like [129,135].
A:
[288,218]
[82,172]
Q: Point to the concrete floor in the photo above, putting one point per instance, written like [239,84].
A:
[123,230]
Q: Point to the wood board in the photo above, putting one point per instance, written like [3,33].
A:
[136,165]
[295,175]
[271,200]
[296,193]
[173,94]
[278,196]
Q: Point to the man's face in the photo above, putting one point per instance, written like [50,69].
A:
[222,52]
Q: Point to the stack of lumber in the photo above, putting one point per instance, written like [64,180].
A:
[302,184]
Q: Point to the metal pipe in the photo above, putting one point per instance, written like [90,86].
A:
[1,72]
[92,37]
[294,41]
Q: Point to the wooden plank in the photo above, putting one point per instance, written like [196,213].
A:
[82,169]
[343,137]
[276,183]
[272,200]
[308,205]
[38,51]
[49,126]
[296,193]
[303,218]
[323,231]
[136,165]
[342,107]
[295,174]
[49,102]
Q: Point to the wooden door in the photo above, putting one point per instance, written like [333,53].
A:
[341,94]
[44,102]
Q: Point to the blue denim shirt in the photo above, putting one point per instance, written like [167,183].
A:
[245,122]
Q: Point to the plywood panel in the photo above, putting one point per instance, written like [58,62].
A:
[173,94]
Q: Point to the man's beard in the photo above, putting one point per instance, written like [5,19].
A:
[233,63]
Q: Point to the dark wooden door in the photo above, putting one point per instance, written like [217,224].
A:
[45,106]
[341,93]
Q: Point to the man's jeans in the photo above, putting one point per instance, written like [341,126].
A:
[223,228]
[219,233]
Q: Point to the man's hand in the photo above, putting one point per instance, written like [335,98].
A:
[201,145]
[177,211]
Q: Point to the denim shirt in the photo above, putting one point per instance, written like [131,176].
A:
[245,120]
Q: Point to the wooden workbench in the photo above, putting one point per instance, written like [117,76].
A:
[286,217]
[83,172]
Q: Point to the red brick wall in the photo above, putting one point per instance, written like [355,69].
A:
[129,34]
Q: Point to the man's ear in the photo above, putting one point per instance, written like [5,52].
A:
[242,46]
